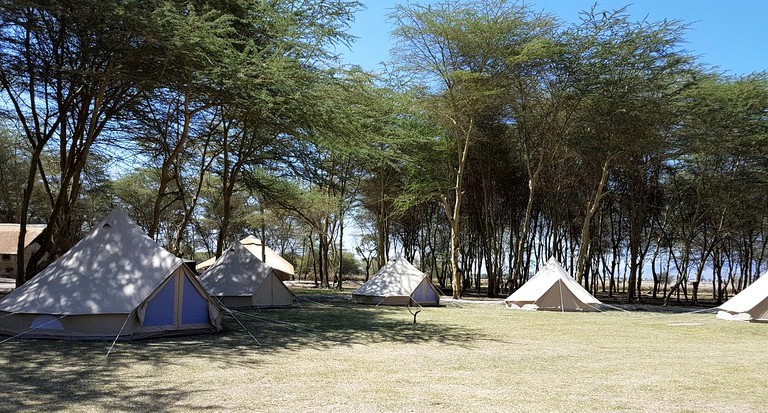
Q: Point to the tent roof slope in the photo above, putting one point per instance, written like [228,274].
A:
[236,273]
[749,298]
[272,258]
[255,246]
[110,271]
[205,264]
[544,279]
[398,278]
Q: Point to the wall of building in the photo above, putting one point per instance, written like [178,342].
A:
[8,261]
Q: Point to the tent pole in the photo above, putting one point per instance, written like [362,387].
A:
[241,325]
[119,332]
[275,322]
[236,319]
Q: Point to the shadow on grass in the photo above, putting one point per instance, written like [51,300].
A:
[334,323]
[43,375]
[69,375]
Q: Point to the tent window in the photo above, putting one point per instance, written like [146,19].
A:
[194,308]
[46,322]
[160,310]
[6,257]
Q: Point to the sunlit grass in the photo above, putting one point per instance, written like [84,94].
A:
[337,356]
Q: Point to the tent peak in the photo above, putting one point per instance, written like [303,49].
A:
[553,260]
[250,240]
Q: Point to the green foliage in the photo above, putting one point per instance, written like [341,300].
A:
[723,141]
[469,55]
[136,193]
[12,169]
[350,265]
[629,77]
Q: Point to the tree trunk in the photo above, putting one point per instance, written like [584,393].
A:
[23,214]
[592,208]
[634,253]
[454,216]
[381,225]
[325,265]
[165,169]
[341,249]
[523,239]
[189,209]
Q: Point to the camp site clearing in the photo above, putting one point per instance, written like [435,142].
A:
[331,355]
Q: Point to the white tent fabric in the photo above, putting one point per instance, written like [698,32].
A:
[205,265]
[114,277]
[552,288]
[398,283]
[239,279]
[282,267]
[751,304]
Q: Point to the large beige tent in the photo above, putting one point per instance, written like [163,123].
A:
[552,288]
[282,267]
[398,283]
[239,279]
[751,304]
[114,281]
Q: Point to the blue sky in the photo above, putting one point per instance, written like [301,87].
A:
[729,34]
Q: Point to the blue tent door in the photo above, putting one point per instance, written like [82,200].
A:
[161,309]
[178,300]
[194,308]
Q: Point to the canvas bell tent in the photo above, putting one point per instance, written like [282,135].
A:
[282,267]
[114,281]
[398,283]
[552,288]
[751,304]
[238,279]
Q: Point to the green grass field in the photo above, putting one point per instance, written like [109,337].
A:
[337,356]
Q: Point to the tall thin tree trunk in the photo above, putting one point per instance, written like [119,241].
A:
[23,214]
[533,175]
[454,216]
[592,208]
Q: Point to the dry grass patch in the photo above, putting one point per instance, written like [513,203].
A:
[337,356]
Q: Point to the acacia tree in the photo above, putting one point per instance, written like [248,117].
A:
[206,41]
[539,106]
[722,140]
[67,70]
[271,82]
[318,148]
[460,51]
[631,75]
[396,129]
